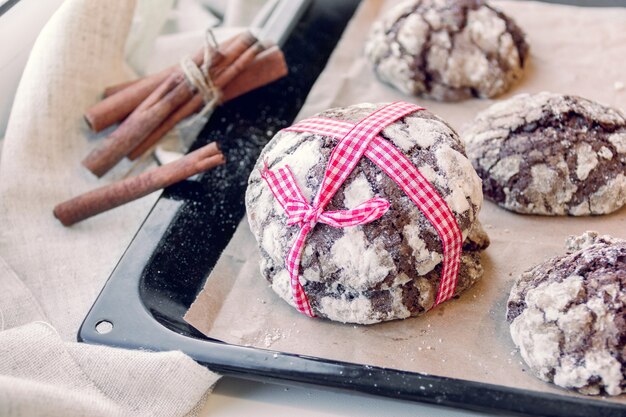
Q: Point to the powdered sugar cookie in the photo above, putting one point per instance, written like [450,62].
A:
[389,268]
[568,316]
[551,154]
[447,49]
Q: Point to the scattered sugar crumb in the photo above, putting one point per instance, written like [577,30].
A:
[618,86]
[272,336]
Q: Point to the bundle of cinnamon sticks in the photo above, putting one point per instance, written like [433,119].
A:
[151,106]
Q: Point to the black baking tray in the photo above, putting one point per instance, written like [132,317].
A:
[144,300]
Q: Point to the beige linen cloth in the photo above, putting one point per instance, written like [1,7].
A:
[50,275]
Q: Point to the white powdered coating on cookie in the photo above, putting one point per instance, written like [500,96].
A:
[619,141]
[576,243]
[398,68]
[282,142]
[485,29]
[586,159]
[281,284]
[463,180]
[394,13]
[547,190]
[364,264]
[427,293]
[543,178]
[489,159]
[472,67]
[581,209]
[421,132]
[605,153]
[425,260]
[264,206]
[400,139]
[425,132]
[457,202]
[357,192]
[537,341]
[357,310]
[597,364]
[431,176]
[309,155]
[400,279]
[552,298]
[508,49]
[272,235]
[398,309]
[609,197]
[506,168]
[412,33]
[312,273]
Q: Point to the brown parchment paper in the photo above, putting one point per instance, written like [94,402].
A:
[573,50]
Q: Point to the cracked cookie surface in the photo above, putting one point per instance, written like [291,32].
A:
[568,316]
[551,154]
[447,50]
[384,270]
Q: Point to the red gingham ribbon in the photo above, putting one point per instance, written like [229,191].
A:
[354,142]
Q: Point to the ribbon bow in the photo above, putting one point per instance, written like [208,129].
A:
[299,211]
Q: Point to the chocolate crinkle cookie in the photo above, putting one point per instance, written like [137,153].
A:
[447,50]
[568,316]
[389,268]
[551,154]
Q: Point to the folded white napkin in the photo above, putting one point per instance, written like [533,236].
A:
[52,274]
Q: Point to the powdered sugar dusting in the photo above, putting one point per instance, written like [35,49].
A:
[425,260]
[364,264]
[357,192]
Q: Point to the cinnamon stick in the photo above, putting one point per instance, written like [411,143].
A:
[171,94]
[267,67]
[114,108]
[168,97]
[113,195]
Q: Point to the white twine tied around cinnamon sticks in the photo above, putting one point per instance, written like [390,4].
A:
[162,100]
[199,77]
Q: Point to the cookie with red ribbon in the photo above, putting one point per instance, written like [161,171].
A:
[367,213]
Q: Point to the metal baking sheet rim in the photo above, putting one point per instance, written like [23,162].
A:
[132,318]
